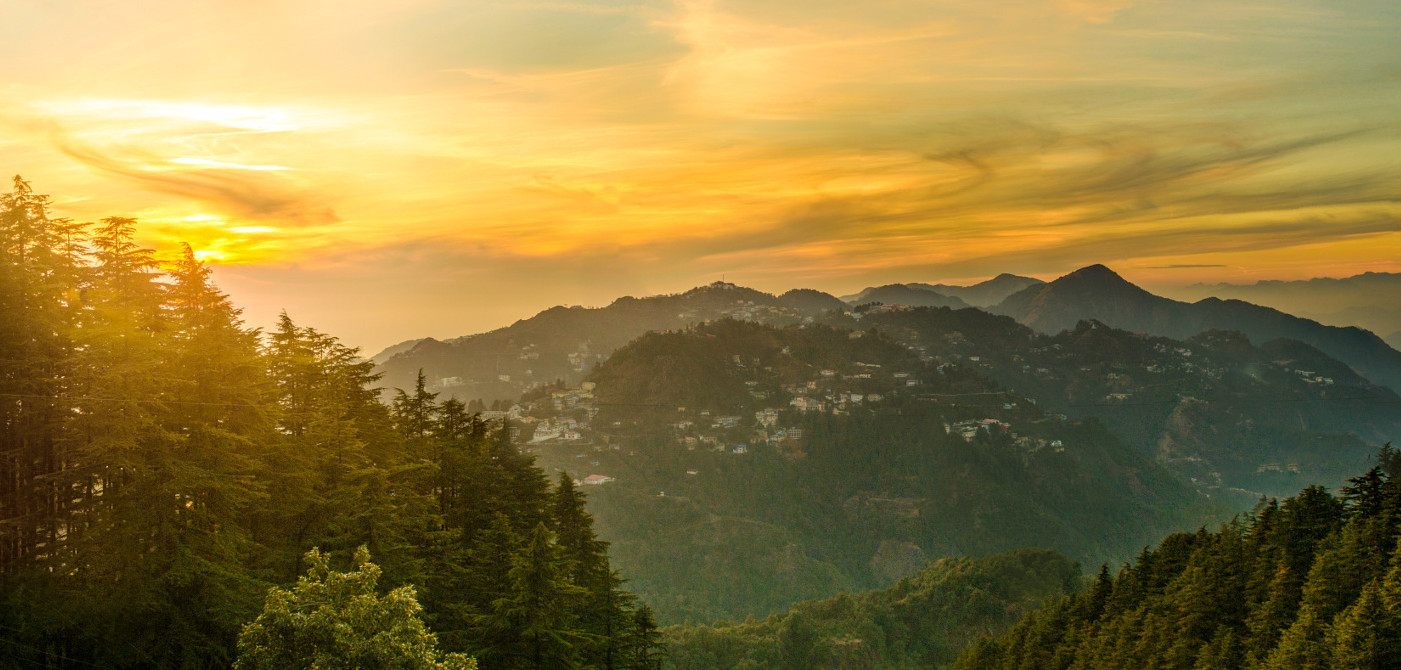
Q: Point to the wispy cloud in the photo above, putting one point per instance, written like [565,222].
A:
[644,144]
[262,195]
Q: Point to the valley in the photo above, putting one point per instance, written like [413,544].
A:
[757,451]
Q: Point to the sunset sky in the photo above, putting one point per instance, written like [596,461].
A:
[406,168]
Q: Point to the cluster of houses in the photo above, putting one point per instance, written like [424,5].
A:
[1310,377]
[970,429]
[734,434]
[828,394]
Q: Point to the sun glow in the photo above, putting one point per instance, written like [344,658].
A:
[641,147]
[242,117]
[207,255]
[204,162]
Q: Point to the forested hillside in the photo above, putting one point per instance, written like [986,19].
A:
[162,465]
[920,622]
[1238,418]
[752,467]
[1312,582]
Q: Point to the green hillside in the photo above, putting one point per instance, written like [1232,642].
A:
[895,460]
[1238,419]
[920,622]
[1311,582]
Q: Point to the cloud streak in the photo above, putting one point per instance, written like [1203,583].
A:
[259,196]
[648,144]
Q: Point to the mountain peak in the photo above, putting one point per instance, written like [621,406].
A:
[1092,292]
[1099,279]
[1096,272]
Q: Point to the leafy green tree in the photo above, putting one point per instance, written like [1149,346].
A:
[796,642]
[333,620]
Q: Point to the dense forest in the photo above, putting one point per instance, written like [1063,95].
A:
[162,466]
[1312,582]
[920,622]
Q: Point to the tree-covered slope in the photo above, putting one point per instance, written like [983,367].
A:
[920,622]
[756,466]
[1214,408]
[809,301]
[1313,582]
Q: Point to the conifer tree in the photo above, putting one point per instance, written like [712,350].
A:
[1364,636]
[414,412]
[644,641]
[39,273]
[536,616]
[161,464]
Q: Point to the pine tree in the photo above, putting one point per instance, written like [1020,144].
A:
[1364,636]
[644,646]
[161,464]
[536,615]
[332,428]
[1222,653]
[39,276]
[414,413]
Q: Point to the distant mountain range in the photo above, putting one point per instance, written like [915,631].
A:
[771,448]
[909,433]
[564,343]
[1216,409]
[1096,292]
[1370,300]
[983,294]
[905,294]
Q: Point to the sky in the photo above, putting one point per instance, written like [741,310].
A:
[393,169]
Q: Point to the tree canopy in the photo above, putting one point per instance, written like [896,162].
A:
[336,621]
[162,465]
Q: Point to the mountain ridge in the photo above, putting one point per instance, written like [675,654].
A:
[981,294]
[1370,300]
[564,343]
[1096,292]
